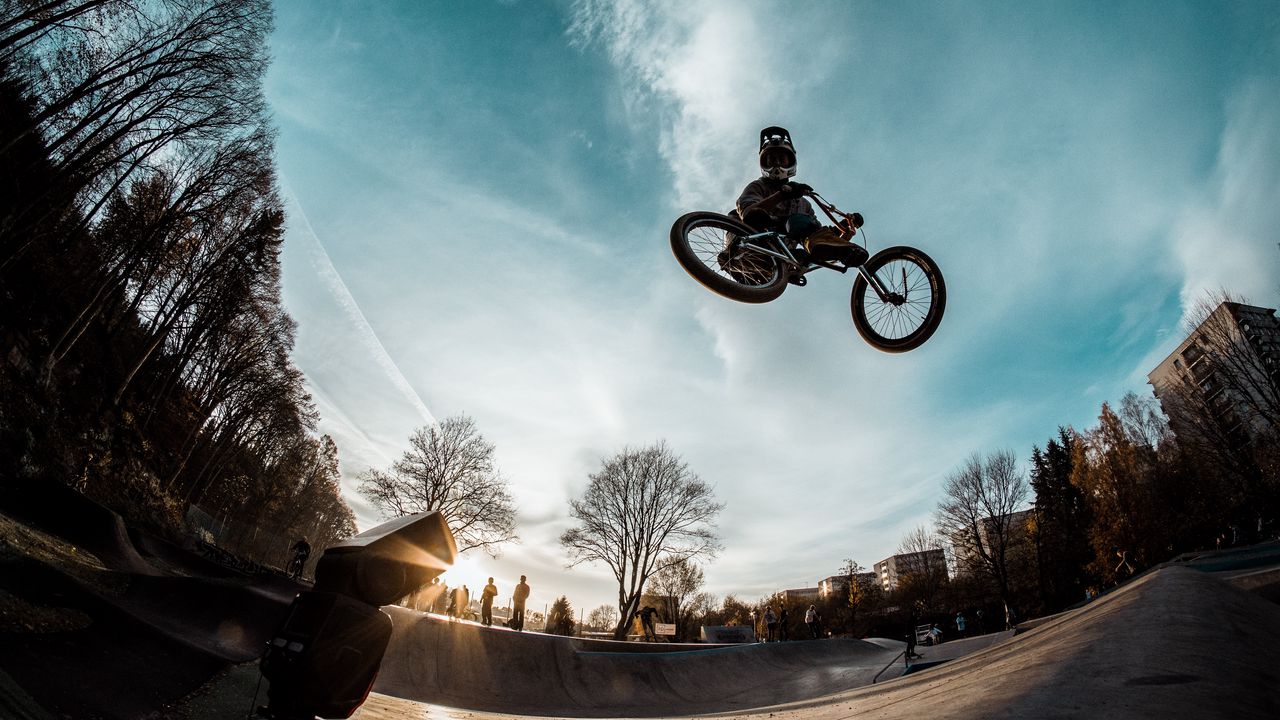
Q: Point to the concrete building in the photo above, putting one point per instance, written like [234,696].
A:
[839,584]
[800,595]
[1230,367]
[890,570]
[966,555]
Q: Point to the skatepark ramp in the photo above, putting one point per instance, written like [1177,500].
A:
[1174,642]
[468,666]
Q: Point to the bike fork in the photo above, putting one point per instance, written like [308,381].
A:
[886,295]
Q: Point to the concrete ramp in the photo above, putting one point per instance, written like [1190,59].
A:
[494,669]
[1173,643]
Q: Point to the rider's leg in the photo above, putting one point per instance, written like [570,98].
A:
[823,242]
[799,227]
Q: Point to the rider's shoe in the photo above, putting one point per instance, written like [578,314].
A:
[856,257]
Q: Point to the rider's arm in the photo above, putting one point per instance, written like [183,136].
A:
[754,192]
[781,207]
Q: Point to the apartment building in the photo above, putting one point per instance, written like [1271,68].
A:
[1230,364]
[889,571]
[838,585]
[966,556]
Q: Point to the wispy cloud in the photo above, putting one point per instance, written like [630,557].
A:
[1229,241]
[363,331]
[709,73]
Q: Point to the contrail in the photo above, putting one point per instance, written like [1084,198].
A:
[328,275]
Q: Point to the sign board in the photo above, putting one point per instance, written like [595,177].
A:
[664,629]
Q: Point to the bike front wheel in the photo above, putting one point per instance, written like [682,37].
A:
[704,245]
[916,297]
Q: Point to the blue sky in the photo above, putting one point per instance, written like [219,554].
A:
[480,195]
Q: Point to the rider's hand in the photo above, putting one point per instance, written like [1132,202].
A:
[795,190]
[758,219]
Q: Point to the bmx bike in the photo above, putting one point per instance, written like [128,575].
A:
[295,566]
[898,295]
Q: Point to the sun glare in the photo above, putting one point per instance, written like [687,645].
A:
[469,571]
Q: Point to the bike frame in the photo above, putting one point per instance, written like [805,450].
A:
[778,247]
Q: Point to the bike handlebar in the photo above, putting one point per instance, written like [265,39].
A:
[848,223]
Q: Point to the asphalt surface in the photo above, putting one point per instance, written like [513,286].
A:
[1175,642]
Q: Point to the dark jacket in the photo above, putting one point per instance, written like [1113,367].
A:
[780,209]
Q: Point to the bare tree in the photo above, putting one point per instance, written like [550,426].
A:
[675,588]
[604,617]
[924,577]
[642,511]
[120,86]
[449,467]
[977,515]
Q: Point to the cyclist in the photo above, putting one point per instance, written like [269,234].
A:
[301,551]
[790,212]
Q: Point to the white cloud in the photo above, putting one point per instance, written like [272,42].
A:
[712,73]
[1229,240]
[546,305]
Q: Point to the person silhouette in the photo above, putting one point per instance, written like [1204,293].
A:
[486,603]
[301,551]
[518,599]
[646,623]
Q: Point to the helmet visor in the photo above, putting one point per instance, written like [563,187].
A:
[777,157]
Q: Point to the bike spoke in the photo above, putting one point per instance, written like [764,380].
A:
[709,241]
[909,280]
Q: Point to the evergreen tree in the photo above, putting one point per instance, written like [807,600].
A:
[1061,529]
[560,617]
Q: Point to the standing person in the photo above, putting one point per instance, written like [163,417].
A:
[486,603]
[518,599]
[770,624]
[811,619]
[441,605]
[783,633]
[982,624]
[1010,617]
[646,623]
[960,624]
[464,607]
[910,637]
[455,602]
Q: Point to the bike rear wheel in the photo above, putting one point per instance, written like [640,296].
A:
[913,310]
[701,243]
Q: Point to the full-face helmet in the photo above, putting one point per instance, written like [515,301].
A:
[777,154]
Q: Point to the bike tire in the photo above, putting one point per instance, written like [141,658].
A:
[898,327]
[698,238]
